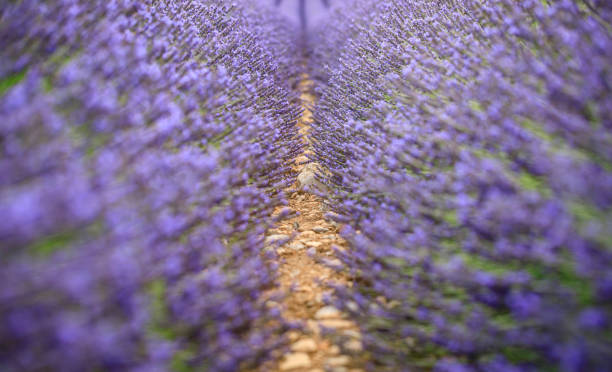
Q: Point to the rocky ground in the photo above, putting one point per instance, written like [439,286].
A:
[305,243]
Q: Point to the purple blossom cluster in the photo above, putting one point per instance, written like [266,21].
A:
[468,145]
[143,146]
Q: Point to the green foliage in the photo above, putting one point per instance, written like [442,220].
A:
[181,361]
[587,215]
[475,105]
[11,80]
[48,245]
[519,355]
[53,243]
[159,310]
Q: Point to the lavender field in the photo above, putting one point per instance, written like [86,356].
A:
[459,150]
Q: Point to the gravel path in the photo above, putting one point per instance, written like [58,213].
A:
[328,341]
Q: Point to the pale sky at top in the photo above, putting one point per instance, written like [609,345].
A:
[315,10]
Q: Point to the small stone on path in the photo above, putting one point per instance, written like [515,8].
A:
[308,179]
[334,262]
[293,335]
[313,327]
[320,230]
[328,312]
[306,345]
[336,323]
[276,238]
[295,361]
[352,306]
[338,361]
[296,246]
[354,346]
[334,350]
[338,369]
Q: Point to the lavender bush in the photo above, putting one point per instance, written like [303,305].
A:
[469,151]
[144,144]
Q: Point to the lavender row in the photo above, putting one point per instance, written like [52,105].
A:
[468,147]
[144,144]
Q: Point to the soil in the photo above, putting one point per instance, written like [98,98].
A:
[328,341]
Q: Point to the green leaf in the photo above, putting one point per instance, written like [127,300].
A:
[11,80]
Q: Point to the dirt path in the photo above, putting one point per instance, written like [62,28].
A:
[305,276]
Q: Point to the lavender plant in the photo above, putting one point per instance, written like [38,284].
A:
[468,149]
[144,144]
